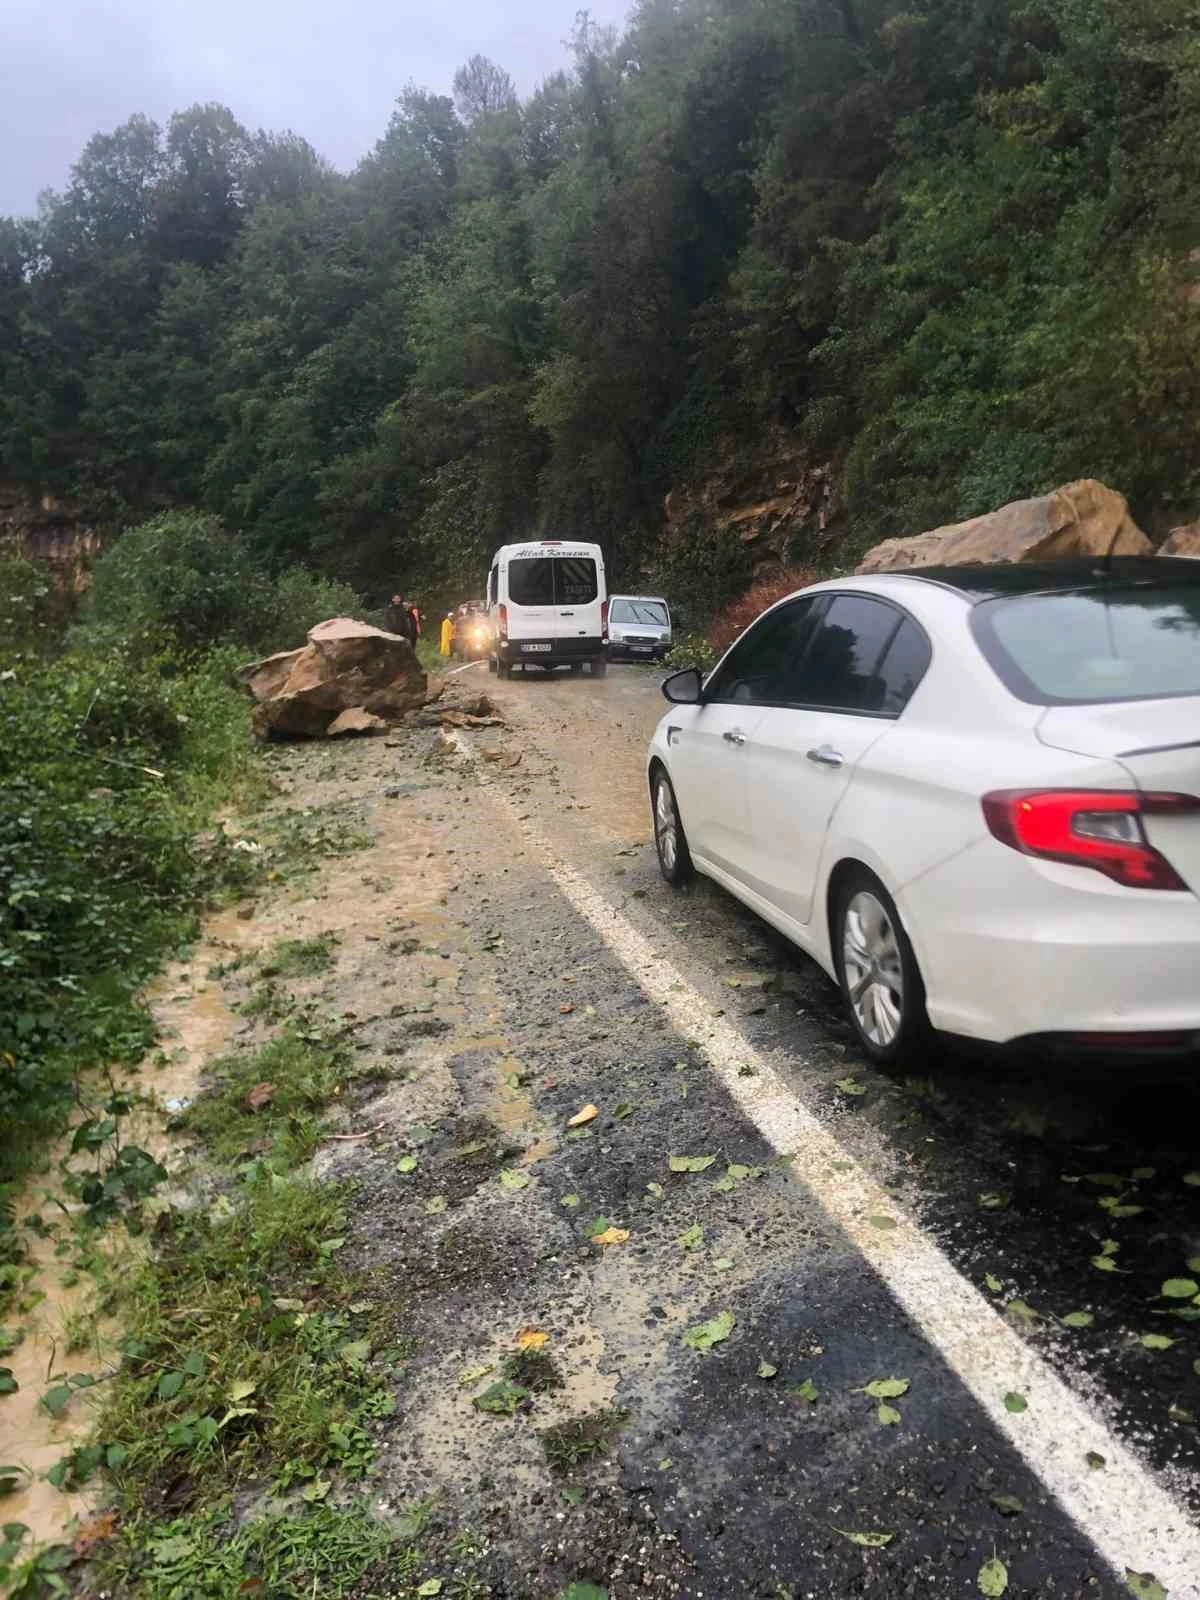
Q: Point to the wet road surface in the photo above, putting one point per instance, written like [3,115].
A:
[552,970]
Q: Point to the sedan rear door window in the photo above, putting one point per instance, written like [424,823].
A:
[763,667]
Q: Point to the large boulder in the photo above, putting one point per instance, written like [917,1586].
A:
[1184,541]
[345,666]
[1080,519]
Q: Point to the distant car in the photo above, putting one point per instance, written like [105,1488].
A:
[639,627]
[972,795]
[472,634]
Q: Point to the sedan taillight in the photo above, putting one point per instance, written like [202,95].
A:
[1097,828]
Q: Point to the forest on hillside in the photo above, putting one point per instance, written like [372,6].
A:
[944,244]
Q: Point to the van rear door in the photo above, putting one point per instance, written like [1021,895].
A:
[554,595]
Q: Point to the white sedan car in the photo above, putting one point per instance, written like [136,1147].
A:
[971,794]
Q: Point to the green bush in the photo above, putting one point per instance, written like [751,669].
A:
[182,580]
[24,591]
[108,767]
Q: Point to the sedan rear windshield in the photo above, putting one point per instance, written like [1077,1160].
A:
[1131,642]
[552,580]
[651,612]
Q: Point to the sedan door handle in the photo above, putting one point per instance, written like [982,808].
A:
[827,756]
[734,736]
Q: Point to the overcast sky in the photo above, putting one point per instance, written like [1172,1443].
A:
[327,69]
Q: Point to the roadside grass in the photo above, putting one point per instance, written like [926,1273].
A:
[248,1356]
[322,1550]
[572,1444]
[252,1365]
[301,958]
[267,1104]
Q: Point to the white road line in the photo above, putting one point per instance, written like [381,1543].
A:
[1132,1521]
[454,671]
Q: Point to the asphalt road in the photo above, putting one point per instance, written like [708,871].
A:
[932,1232]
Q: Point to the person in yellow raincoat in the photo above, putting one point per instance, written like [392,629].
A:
[447,644]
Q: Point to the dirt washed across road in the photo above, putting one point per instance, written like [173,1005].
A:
[698,1304]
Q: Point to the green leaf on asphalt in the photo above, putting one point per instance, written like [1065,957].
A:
[724,1185]
[1022,1311]
[868,1541]
[435,1205]
[501,1399]
[8,1384]
[656,1189]
[431,1586]
[1179,1289]
[57,1399]
[625,1109]
[598,1225]
[886,1388]
[473,1374]
[1078,1319]
[1157,1341]
[993,1578]
[1192,1179]
[1193,1264]
[992,1200]
[1095,1460]
[693,1238]
[886,1414]
[804,1391]
[1140,1173]
[706,1334]
[407,1164]
[882,1222]
[993,1283]
[737,1171]
[1016,1403]
[1105,1180]
[851,1086]
[570,1201]
[1007,1504]
[513,1178]
[1104,1264]
[1144,1585]
[766,1370]
[1118,1210]
[722,1263]
[690,1163]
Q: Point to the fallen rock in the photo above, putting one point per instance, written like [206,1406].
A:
[1081,519]
[345,666]
[1184,541]
[356,720]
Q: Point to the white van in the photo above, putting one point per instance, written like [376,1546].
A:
[548,605]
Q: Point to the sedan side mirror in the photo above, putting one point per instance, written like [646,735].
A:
[684,688]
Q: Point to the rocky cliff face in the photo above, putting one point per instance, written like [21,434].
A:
[773,498]
[58,533]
